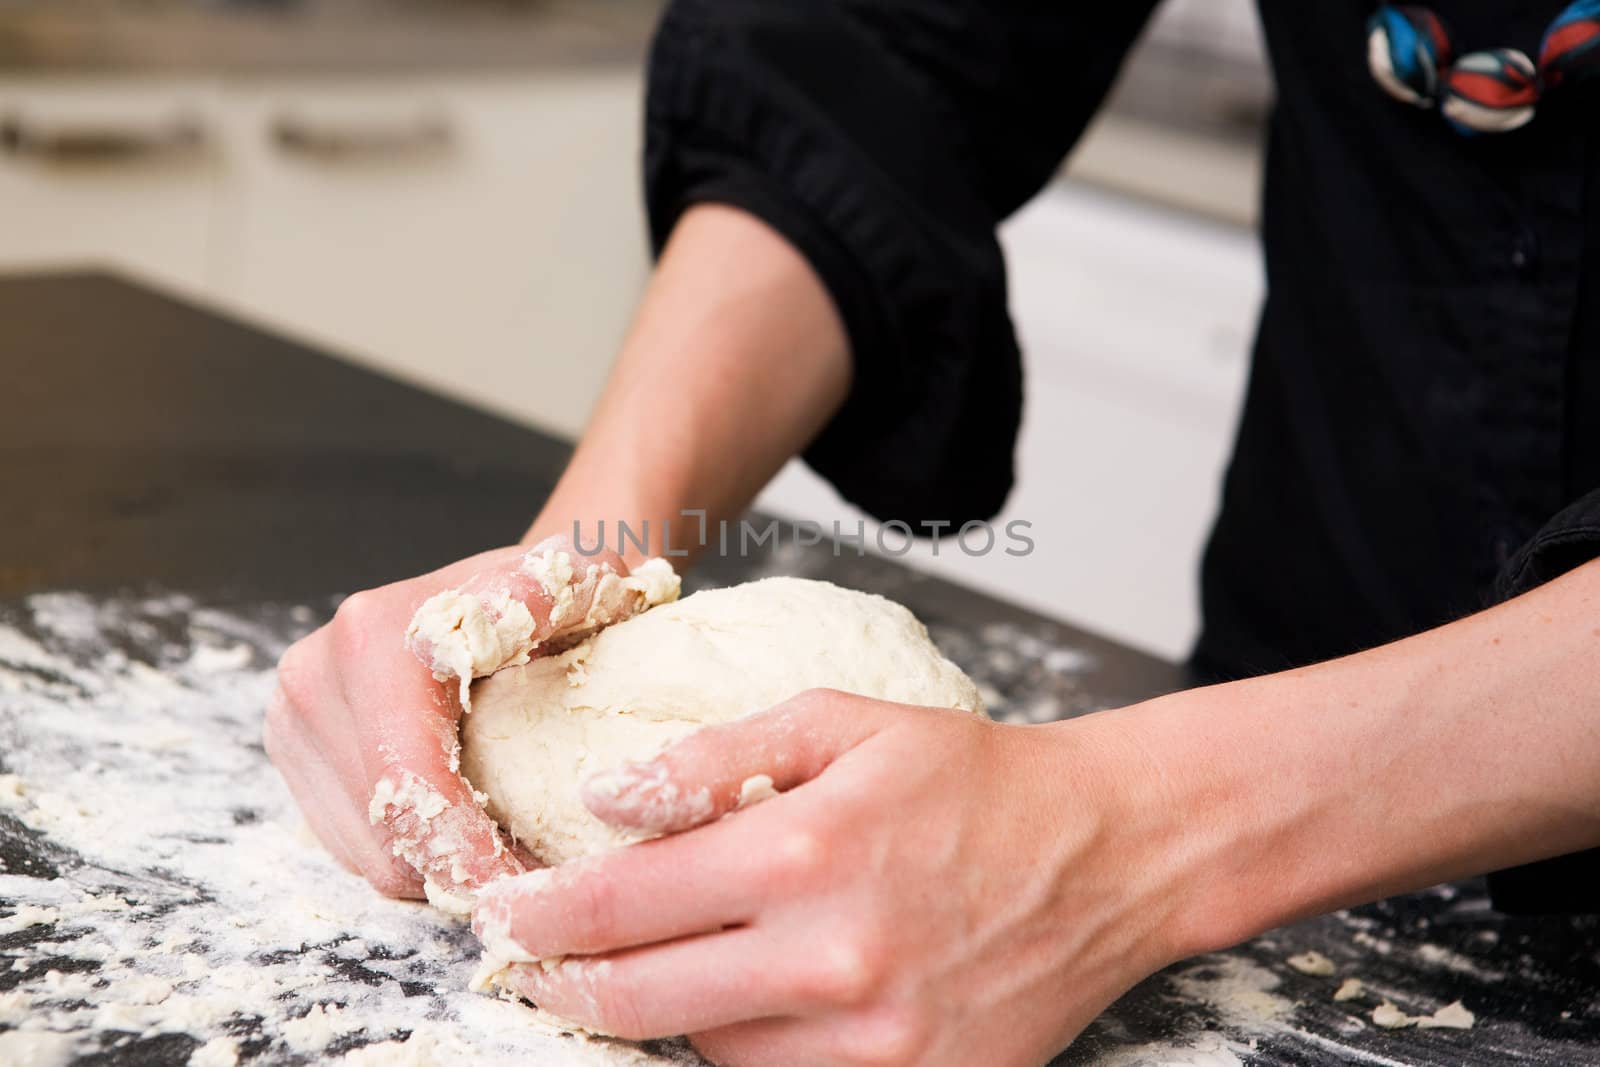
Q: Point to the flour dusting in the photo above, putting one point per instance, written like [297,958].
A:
[158,890]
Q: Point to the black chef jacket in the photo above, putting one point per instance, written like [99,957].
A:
[1422,429]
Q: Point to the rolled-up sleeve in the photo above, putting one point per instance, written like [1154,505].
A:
[1566,884]
[886,140]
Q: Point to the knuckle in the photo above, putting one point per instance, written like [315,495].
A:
[619,1013]
[296,669]
[391,880]
[848,971]
[797,857]
[595,910]
[357,616]
[894,1038]
[270,734]
[813,701]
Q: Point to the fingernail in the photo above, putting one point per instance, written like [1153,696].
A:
[612,784]
[644,797]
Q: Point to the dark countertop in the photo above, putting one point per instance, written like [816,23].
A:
[193,494]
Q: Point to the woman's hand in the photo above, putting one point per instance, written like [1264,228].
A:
[929,888]
[363,727]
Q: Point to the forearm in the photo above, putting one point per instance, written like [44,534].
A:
[1469,748]
[736,360]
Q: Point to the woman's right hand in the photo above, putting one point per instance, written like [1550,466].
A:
[364,730]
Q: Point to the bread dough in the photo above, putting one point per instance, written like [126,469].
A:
[537,730]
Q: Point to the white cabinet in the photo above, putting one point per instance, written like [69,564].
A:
[484,236]
[109,172]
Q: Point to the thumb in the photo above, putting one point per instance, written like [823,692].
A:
[551,596]
[723,768]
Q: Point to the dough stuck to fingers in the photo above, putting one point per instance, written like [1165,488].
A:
[463,635]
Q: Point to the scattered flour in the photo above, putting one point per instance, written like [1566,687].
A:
[172,888]
[418,1050]
[1439,956]
[35,1048]
[218,1052]
[318,1028]
[1242,993]
[28,915]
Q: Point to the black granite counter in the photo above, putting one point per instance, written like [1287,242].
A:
[183,496]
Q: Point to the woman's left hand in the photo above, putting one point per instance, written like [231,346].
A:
[929,888]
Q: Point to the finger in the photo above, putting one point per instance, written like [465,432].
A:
[674,988]
[426,811]
[297,775]
[561,587]
[653,891]
[433,819]
[778,1042]
[548,597]
[339,825]
[834,1039]
[310,704]
[721,768]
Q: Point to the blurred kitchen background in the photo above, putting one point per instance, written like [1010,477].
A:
[448,190]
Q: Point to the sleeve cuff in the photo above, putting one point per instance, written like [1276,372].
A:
[928,431]
[1566,542]
[1566,884]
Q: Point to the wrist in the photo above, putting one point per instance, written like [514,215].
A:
[1316,789]
[1239,811]
[1113,779]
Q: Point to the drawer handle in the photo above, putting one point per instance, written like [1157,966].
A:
[333,140]
[91,140]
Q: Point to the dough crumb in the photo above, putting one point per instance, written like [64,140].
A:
[492,924]
[461,636]
[447,901]
[1349,989]
[427,834]
[1453,1016]
[1390,1017]
[755,789]
[553,570]
[1312,963]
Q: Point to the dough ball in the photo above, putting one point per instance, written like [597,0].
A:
[536,731]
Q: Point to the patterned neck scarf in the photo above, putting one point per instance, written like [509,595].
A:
[1493,91]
